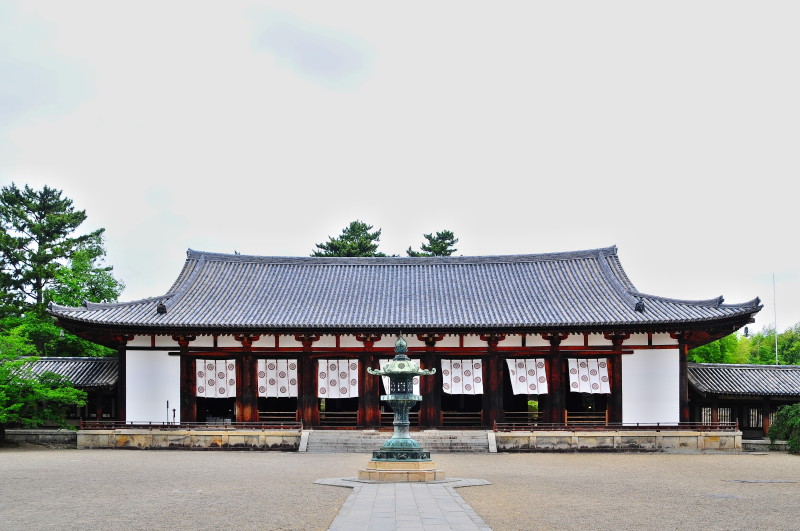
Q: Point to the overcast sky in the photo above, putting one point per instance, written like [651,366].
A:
[668,129]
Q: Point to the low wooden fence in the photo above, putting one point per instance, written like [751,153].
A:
[551,426]
[118,425]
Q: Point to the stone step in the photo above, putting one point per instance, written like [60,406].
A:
[353,441]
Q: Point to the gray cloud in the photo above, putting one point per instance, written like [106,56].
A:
[320,54]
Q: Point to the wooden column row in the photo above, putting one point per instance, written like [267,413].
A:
[552,404]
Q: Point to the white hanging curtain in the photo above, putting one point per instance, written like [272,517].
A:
[589,376]
[528,376]
[462,377]
[277,378]
[385,379]
[216,378]
[337,379]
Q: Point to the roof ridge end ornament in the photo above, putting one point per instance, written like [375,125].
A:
[639,305]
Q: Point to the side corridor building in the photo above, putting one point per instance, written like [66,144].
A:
[546,336]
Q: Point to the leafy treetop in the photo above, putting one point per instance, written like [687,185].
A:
[439,244]
[36,241]
[355,240]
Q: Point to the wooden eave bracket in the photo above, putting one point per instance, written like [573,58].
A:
[492,339]
[183,340]
[307,340]
[430,339]
[367,339]
[246,340]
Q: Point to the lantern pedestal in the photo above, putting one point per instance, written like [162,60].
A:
[401,471]
[401,458]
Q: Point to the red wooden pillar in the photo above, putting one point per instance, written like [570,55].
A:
[246,375]
[430,409]
[98,404]
[493,382]
[615,376]
[188,380]
[188,388]
[766,408]
[249,388]
[308,405]
[492,391]
[557,387]
[369,410]
[683,380]
[121,383]
[715,410]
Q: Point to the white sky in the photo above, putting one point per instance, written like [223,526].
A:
[669,129]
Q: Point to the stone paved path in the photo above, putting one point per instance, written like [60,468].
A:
[397,506]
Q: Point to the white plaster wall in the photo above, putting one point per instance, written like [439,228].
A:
[536,340]
[203,341]
[166,341]
[598,340]
[663,339]
[152,378]
[650,387]
[139,341]
[228,341]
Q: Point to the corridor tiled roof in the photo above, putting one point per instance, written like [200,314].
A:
[749,380]
[581,289]
[86,373]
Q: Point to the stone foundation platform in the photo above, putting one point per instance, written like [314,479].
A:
[401,471]
[689,441]
[144,439]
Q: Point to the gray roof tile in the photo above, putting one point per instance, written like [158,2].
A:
[749,380]
[574,289]
[82,372]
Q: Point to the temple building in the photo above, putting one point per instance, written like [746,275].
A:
[748,395]
[555,338]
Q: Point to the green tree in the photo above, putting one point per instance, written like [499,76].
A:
[439,244]
[789,346]
[36,241]
[44,338]
[786,426]
[723,350]
[762,347]
[28,399]
[355,240]
[84,278]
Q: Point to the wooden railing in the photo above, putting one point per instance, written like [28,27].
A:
[338,418]
[118,424]
[523,416]
[277,416]
[572,418]
[657,426]
[461,419]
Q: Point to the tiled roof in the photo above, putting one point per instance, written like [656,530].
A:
[761,380]
[82,372]
[542,291]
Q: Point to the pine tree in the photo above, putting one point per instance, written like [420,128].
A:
[36,241]
[439,244]
[355,240]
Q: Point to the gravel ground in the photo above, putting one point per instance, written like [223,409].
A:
[44,488]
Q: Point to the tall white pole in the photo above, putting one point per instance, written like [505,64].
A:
[775,311]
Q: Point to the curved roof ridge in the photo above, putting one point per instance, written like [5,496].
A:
[716,302]
[616,283]
[88,305]
[192,254]
[744,366]
[93,359]
[168,299]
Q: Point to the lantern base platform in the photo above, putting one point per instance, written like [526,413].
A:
[401,471]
